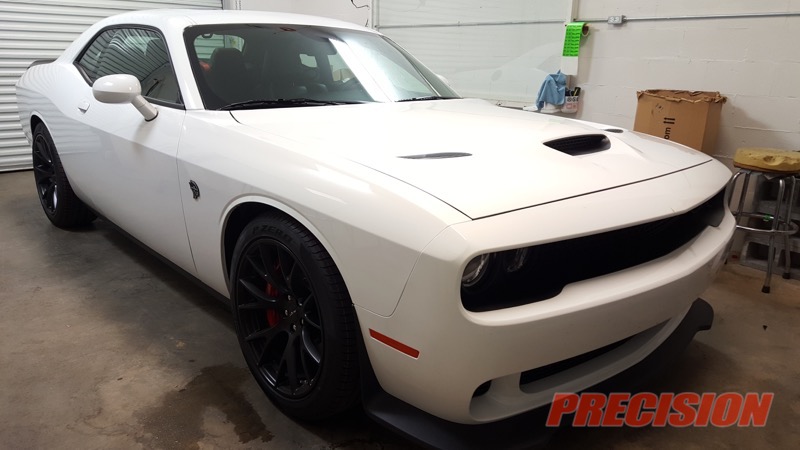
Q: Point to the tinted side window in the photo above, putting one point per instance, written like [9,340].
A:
[138,52]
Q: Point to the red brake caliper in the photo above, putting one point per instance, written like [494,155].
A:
[272,315]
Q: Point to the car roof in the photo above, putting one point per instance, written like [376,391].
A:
[182,18]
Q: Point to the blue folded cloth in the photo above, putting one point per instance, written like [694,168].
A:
[553,90]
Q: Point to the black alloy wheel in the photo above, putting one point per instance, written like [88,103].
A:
[294,319]
[45,174]
[280,318]
[60,204]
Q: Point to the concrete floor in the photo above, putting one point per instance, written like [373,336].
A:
[102,346]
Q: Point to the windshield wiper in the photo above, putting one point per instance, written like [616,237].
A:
[429,97]
[284,103]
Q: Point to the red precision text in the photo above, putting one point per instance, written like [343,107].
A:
[648,409]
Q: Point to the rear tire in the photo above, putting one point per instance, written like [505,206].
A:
[60,204]
[294,319]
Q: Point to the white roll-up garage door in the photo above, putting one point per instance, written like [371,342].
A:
[42,29]
[500,50]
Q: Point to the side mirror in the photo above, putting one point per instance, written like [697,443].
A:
[123,89]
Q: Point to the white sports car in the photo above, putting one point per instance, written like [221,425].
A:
[451,263]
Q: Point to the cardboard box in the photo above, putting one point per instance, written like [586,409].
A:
[687,117]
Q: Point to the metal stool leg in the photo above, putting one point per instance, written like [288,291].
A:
[729,198]
[781,218]
[776,218]
[742,195]
[787,250]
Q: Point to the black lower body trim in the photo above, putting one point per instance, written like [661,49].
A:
[526,430]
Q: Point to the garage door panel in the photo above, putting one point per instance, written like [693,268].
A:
[500,51]
[414,12]
[42,30]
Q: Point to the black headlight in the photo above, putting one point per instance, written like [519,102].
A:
[530,274]
[476,270]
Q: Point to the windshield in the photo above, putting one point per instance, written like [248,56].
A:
[246,66]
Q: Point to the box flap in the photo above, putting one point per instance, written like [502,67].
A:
[684,96]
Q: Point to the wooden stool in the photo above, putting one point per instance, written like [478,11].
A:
[775,165]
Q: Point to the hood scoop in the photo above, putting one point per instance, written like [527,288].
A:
[442,155]
[580,145]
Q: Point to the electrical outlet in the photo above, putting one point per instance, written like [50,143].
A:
[616,20]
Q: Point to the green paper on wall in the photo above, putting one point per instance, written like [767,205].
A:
[572,40]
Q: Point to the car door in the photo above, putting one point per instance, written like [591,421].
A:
[130,162]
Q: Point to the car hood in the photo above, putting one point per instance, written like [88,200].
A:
[481,159]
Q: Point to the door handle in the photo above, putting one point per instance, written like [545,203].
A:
[83,106]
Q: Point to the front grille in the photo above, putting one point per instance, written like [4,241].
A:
[552,266]
[540,373]
[529,376]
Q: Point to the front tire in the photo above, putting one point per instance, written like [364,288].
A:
[294,319]
[60,204]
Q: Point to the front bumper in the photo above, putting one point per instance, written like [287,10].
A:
[480,367]
[526,430]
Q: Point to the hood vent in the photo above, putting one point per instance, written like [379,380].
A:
[580,145]
[443,155]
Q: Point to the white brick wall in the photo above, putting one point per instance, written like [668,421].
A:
[755,62]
